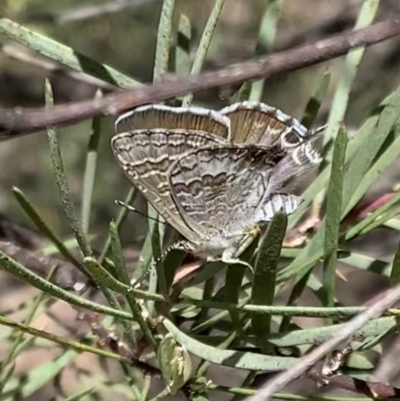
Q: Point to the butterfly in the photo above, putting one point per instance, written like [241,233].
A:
[216,177]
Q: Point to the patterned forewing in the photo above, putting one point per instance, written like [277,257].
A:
[258,123]
[220,189]
[161,116]
[146,156]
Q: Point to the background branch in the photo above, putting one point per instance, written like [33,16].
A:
[16,122]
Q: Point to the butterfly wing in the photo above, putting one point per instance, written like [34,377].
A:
[146,156]
[265,125]
[221,189]
[294,164]
[286,203]
[160,116]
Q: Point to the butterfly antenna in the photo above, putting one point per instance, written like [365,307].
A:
[132,209]
[180,245]
[317,131]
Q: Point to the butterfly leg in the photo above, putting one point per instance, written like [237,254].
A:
[228,258]
[231,254]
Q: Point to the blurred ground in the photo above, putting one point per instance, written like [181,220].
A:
[126,40]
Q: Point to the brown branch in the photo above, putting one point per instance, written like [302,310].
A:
[66,276]
[16,122]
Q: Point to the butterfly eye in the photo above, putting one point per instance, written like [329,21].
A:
[290,139]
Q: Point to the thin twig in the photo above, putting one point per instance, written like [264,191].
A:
[16,122]
[66,276]
[343,334]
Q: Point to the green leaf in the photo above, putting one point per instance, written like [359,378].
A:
[182,51]
[237,359]
[224,344]
[8,360]
[384,160]
[164,38]
[206,272]
[314,103]
[333,216]
[38,377]
[242,94]
[367,153]
[367,129]
[207,294]
[393,224]
[106,280]
[348,73]
[382,219]
[365,225]
[354,172]
[395,273]
[44,228]
[367,263]
[90,171]
[264,278]
[117,256]
[156,246]
[62,181]
[233,285]
[302,280]
[265,42]
[64,55]
[123,213]
[80,395]
[151,250]
[204,45]
[68,206]
[122,275]
[295,338]
[174,362]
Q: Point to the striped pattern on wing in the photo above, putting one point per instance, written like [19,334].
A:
[146,156]
[166,117]
[264,125]
[221,189]
[286,203]
[295,163]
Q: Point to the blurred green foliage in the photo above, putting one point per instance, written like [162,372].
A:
[127,40]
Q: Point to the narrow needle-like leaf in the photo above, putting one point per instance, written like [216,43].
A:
[333,217]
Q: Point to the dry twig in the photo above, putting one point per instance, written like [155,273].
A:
[338,338]
[17,122]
